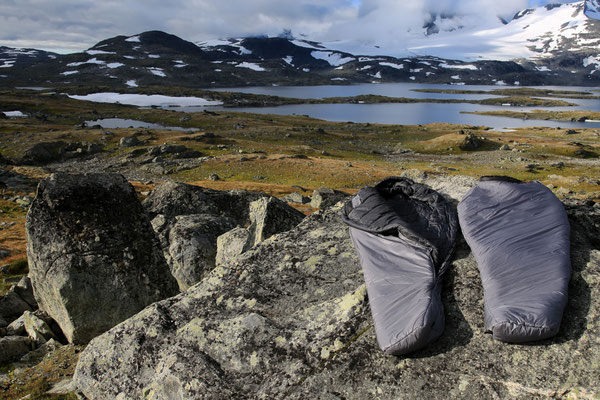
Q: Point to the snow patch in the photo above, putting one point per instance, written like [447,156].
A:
[243,51]
[131,83]
[90,61]
[156,71]
[69,72]
[153,56]
[134,39]
[145,100]
[302,43]
[416,70]
[180,65]
[392,65]
[590,61]
[114,65]
[377,75]
[500,83]
[14,114]
[306,69]
[252,66]
[338,79]
[129,57]
[461,66]
[455,77]
[334,59]
[7,64]
[218,70]
[364,68]
[412,78]
[96,52]
[543,68]
[288,60]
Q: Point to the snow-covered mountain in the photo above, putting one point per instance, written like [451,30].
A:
[556,44]
[534,33]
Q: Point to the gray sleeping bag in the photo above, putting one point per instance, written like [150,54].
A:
[404,233]
[519,235]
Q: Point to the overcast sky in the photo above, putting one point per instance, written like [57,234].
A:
[74,25]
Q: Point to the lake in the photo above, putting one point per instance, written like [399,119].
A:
[411,113]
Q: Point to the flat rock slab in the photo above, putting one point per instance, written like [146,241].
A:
[290,319]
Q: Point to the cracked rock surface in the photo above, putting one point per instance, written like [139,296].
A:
[94,259]
[290,319]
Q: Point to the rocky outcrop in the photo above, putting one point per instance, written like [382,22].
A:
[190,244]
[46,152]
[94,259]
[175,151]
[326,197]
[233,243]
[188,220]
[290,319]
[172,198]
[270,216]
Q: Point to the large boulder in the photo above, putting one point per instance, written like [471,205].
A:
[173,198]
[190,244]
[233,243]
[326,197]
[46,152]
[188,220]
[290,319]
[94,258]
[269,216]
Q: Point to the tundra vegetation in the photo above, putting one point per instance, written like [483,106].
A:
[278,155]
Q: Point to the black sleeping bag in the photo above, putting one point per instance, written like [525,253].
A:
[404,233]
[519,235]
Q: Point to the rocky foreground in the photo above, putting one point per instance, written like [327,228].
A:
[279,309]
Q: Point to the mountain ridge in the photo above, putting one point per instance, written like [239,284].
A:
[561,42]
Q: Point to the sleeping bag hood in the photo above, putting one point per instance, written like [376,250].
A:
[404,233]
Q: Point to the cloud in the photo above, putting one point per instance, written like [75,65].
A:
[73,25]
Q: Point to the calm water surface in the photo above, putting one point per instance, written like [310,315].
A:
[410,114]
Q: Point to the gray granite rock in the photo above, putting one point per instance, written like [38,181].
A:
[290,319]
[12,306]
[326,197]
[12,348]
[233,243]
[191,245]
[37,329]
[269,216]
[17,327]
[25,291]
[94,257]
[188,220]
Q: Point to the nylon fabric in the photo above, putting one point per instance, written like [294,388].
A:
[519,236]
[404,233]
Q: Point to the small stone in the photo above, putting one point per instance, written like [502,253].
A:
[129,141]
[214,177]
[37,329]
[326,197]
[12,348]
